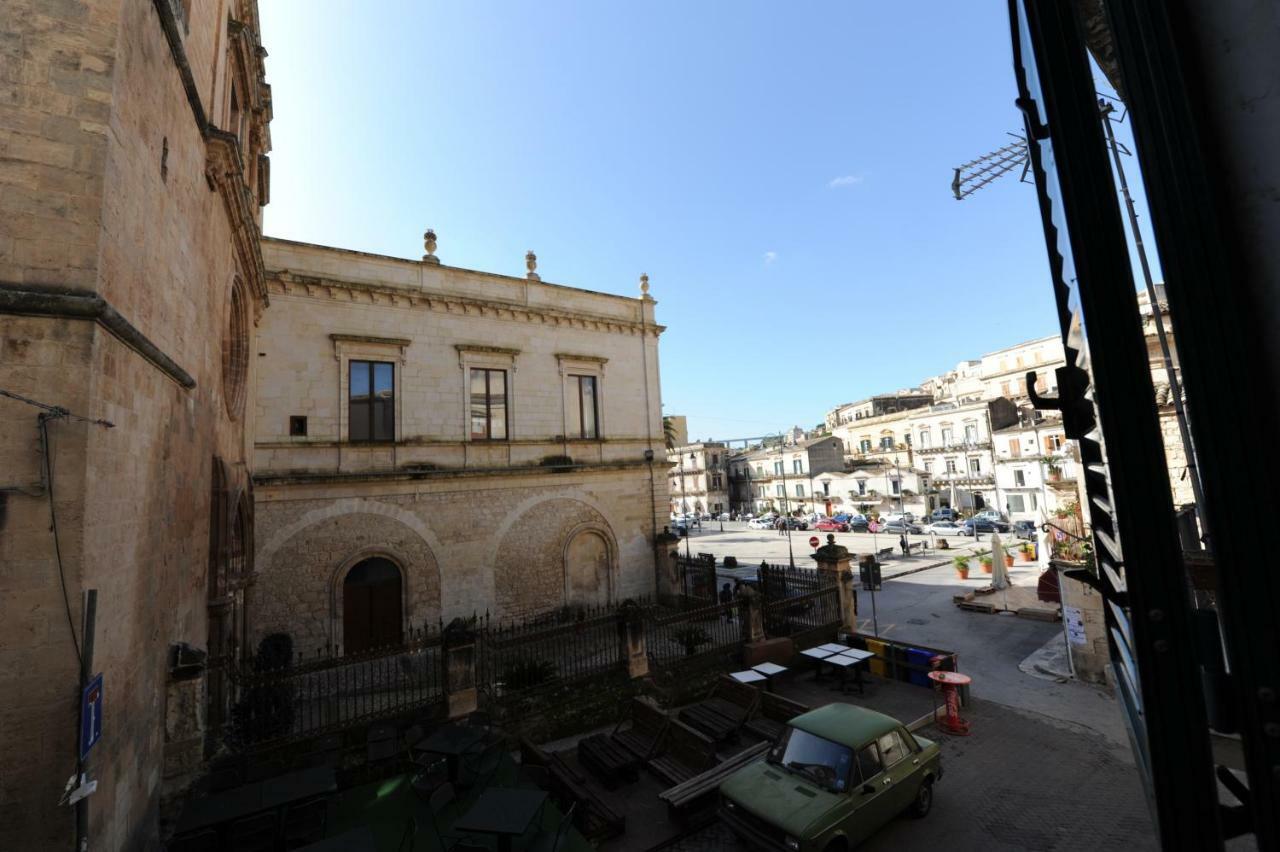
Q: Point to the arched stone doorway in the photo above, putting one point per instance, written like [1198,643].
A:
[372,606]
[586,569]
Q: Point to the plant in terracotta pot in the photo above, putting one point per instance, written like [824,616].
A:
[1008,559]
[962,566]
[985,560]
[1028,551]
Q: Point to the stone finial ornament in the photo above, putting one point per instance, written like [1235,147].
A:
[531,264]
[429,243]
[644,285]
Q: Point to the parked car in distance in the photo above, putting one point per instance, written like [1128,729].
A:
[858,525]
[832,779]
[1025,529]
[991,515]
[901,526]
[945,528]
[798,523]
[831,525]
[760,523]
[724,516]
[977,525]
[945,513]
[898,516]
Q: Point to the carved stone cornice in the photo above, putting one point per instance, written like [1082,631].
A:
[225,174]
[285,283]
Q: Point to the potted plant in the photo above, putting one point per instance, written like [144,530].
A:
[1008,559]
[1028,551]
[962,566]
[985,560]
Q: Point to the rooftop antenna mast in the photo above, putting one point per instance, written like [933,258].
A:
[977,173]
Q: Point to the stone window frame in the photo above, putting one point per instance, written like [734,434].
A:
[235,350]
[359,347]
[482,357]
[582,365]
[339,576]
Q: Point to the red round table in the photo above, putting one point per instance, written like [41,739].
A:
[950,682]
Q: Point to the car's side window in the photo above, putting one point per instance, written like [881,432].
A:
[868,764]
[891,749]
[909,741]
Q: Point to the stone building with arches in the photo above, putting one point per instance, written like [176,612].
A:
[434,442]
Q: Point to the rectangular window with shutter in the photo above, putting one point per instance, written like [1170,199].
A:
[371,401]
[583,410]
[488,404]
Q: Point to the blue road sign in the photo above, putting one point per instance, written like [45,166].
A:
[90,715]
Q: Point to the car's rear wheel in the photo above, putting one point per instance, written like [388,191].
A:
[923,801]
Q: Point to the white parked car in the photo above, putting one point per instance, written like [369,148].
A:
[760,524]
[945,528]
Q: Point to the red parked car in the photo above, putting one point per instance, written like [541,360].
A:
[829,525]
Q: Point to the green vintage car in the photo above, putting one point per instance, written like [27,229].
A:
[835,776]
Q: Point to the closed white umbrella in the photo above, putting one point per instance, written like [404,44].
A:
[999,573]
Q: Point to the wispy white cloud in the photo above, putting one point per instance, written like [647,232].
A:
[770,257]
[844,180]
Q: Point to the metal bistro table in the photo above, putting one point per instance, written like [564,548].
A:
[504,812]
[851,659]
[259,796]
[358,839]
[770,671]
[452,741]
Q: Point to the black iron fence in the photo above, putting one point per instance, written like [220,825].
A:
[279,698]
[673,637]
[572,644]
[697,577]
[802,614]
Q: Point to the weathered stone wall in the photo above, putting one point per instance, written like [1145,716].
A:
[498,545]
[103,191]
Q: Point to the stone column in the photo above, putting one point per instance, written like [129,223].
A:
[458,645]
[833,563]
[668,579]
[631,638]
[751,614]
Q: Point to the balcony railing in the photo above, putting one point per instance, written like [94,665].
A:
[955,448]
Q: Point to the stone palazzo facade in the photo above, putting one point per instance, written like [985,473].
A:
[434,442]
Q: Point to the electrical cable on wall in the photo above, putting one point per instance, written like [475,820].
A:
[47,413]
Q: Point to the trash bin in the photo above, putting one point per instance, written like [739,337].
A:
[920,660]
[877,663]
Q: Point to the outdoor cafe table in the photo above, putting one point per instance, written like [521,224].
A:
[358,839]
[452,741]
[748,677]
[505,812]
[850,659]
[770,671]
[259,796]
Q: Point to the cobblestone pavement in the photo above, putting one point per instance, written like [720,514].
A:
[1020,782]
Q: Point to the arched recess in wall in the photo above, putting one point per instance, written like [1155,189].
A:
[589,559]
[235,351]
[530,566]
[298,585]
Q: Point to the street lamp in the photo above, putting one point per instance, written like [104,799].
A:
[786,512]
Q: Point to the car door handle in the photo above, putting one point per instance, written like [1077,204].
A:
[915,762]
[888,781]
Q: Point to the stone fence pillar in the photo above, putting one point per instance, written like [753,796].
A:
[458,646]
[751,614]
[631,639]
[667,581]
[833,561]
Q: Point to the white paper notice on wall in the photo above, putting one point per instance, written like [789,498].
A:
[1074,619]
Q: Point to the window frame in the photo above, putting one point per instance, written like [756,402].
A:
[488,405]
[581,379]
[371,366]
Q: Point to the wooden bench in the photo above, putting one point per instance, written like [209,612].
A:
[607,760]
[724,711]
[682,753]
[594,819]
[885,551]
[772,716]
[648,724]
[699,792]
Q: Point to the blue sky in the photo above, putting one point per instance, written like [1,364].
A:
[781,172]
